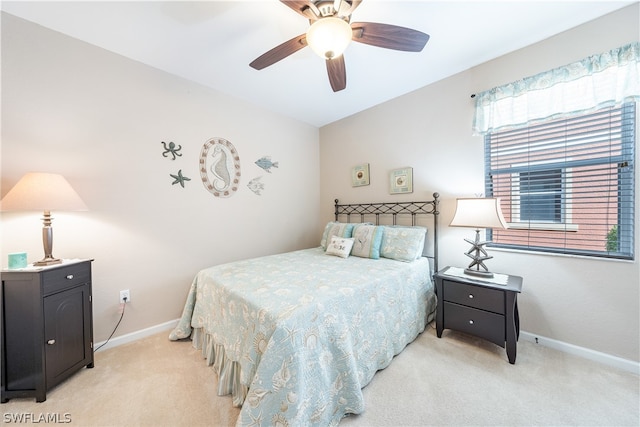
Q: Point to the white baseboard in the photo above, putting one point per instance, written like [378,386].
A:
[134,336]
[596,356]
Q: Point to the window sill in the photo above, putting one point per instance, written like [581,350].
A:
[541,253]
[543,226]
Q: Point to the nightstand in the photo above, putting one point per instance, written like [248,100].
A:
[486,308]
[47,327]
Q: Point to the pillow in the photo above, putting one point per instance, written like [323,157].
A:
[367,240]
[403,243]
[333,228]
[340,246]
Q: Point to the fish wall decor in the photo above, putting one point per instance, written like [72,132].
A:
[266,163]
[256,185]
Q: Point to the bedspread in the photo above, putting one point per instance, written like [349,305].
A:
[302,332]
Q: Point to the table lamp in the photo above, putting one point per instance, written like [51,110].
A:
[43,192]
[478,213]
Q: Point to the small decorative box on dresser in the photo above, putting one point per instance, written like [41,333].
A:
[487,308]
[47,327]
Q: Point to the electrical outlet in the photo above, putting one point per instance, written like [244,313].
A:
[125,294]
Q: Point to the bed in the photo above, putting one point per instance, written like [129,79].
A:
[294,337]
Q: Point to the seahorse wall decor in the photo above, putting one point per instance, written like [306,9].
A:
[220,167]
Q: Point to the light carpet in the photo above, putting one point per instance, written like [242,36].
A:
[457,380]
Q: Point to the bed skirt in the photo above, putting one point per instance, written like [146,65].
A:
[228,371]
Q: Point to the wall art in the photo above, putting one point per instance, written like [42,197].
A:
[220,167]
[401,181]
[171,149]
[256,185]
[360,175]
[266,163]
[179,178]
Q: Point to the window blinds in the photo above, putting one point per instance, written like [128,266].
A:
[566,186]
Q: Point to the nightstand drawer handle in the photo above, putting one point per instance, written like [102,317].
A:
[471,322]
[471,296]
[70,276]
[51,342]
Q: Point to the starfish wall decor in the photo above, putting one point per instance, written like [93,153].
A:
[179,179]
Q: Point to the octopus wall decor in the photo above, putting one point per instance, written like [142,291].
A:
[171,149]
[220,167]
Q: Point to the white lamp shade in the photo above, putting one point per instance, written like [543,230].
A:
[478,213]
[329,37]
[42,192]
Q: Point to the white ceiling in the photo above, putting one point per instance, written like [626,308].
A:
[213,42]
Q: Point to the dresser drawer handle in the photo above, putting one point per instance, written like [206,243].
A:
[51,342]
[471,322]
[70,276]
[470,296]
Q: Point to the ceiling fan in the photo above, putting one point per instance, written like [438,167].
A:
[331,31]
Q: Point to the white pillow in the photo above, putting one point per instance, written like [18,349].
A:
[340,246]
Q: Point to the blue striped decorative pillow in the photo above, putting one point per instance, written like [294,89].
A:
[367,240]
[333,228]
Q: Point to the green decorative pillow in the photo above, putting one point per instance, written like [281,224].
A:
[340,246]
[333,228]
[367,240]
[403,243]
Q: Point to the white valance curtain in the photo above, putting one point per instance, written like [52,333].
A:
[598,81]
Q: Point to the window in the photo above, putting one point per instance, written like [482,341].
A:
[540,196]
[566,186]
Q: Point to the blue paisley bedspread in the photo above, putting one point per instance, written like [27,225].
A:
[296,336]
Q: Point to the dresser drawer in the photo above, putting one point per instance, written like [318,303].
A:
[483,324]
[474,296]
[58,279]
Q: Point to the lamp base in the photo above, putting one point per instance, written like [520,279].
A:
[478,254]
[478,273]
[48,261]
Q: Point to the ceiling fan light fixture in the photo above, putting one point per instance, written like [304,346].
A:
[329,37]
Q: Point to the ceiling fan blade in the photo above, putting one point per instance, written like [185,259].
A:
[337,73]
[389,36]
[304,8]
[279,52]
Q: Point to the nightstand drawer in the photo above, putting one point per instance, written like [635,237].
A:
[474,296]
[58,279]
[483,324]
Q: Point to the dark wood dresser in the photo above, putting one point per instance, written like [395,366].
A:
[47,327]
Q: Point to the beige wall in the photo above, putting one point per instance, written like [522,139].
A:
[588,303]
[99,119]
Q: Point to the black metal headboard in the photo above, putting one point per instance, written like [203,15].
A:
[393,210]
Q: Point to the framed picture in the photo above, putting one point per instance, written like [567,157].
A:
[360,175]
[401,181]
